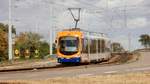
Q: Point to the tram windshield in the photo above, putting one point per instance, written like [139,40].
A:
[68,45]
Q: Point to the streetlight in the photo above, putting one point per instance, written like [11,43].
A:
[10,40]
[51,7]
[51,29]
[10,34]
[51,42]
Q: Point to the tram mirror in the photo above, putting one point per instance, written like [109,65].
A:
[55,41]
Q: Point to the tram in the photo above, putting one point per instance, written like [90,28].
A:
[79,46]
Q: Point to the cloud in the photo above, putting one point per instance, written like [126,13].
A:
[26,3]
[139,22]
[69,3]
[117,3]
[4,11]
[94,16]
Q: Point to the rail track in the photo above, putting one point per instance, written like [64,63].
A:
[117,58]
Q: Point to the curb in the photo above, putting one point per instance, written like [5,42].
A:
[20,68]
[27,68]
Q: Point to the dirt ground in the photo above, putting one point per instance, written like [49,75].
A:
[124,57]
[123,78]
[129,78]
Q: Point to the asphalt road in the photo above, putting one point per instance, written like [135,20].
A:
[143,64]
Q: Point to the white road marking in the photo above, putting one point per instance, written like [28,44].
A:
[109,72]
[83,75]
[138,69]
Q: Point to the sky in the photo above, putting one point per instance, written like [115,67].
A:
[121,20]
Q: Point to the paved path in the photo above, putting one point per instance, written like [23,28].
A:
[141,65]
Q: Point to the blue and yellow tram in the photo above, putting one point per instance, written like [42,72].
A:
[76,46]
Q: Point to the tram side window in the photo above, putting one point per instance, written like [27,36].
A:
[93,46]
[84,45]
[107,47]
[99,46]
[103,46]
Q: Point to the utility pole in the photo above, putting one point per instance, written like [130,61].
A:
[10,34]
[129,44]
[126,25]
[125,13]
[51,32]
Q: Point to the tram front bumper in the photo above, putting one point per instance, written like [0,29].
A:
[73,60]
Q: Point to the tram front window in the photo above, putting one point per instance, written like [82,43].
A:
[68,45]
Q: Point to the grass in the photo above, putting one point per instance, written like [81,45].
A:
[129,78]
[23,61]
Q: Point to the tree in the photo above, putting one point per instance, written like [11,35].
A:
[4,28]
[4,40]
[145,40]
[3,45]
[116,47]
[32,42]
[44,49]
[27,40]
